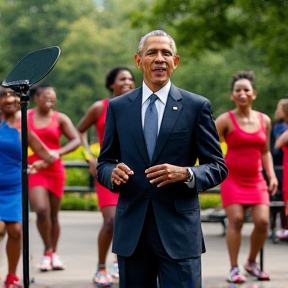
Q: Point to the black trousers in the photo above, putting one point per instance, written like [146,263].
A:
[150,261]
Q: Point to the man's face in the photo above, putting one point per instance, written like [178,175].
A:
[157,61]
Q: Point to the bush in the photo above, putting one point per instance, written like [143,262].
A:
[77,201]
[79,153]
[77,177]
[89,202]
[210,201]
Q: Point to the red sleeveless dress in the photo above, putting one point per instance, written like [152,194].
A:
[104,195]
[285,174]
[52,177]
[245,183]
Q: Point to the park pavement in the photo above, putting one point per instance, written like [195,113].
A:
[78,249]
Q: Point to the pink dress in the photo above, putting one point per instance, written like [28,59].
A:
[245,183]
[105,196]
[52,177]
[285,174]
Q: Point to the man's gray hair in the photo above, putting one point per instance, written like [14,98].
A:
[156,33]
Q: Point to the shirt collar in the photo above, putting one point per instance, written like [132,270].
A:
[162,93]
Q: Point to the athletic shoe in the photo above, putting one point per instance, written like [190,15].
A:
[46,263]
[254,269]
[282,234]
[103,279]
[114,271]
[12,281]
[235,276]
[57,263]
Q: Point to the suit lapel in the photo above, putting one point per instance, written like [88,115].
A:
[171,113]
[134,116]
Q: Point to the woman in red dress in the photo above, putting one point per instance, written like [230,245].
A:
[46,186]
[247,134]
[119,81]
[282,142]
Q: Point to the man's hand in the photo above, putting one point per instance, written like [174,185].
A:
[120,174]
[165,173]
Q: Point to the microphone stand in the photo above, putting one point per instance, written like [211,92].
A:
[21,88]
[34,66]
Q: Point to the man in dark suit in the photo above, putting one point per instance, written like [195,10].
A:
[153,136]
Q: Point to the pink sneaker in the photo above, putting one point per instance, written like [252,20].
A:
[254,269]
[235,276]
[282,234]
[12,281]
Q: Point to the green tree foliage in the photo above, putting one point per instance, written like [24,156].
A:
[96,35]
[92,36]
[216,24]
[29,25]
[211,76]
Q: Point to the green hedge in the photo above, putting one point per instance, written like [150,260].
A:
[78,201]
[210,201]
[88,201]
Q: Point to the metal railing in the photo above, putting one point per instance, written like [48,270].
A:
[89,188]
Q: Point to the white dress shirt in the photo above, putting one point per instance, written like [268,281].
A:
[160,106]
[160,103]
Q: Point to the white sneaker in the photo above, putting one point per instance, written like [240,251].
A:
[57,263]
[114,271]
[46,264]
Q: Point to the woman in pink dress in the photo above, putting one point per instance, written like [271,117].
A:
[119,81]
[282,142]
[246,133]
[46,186]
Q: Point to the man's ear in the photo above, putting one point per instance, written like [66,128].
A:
[176,61]
[138,61]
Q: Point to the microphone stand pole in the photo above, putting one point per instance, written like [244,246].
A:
[21,90]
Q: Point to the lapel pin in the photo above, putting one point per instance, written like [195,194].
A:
[175,108]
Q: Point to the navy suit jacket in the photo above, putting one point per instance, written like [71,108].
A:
[187,132]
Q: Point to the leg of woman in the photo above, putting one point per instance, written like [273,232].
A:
[2,230]
[104,241]
[235,214]
[13,250]
[39,199]
[260,215]
[106,233]
[55,202]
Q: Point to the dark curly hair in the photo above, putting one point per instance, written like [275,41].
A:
[38,89]
[112,74]
[244,74]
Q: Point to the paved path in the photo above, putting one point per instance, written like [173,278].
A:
[77,247]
